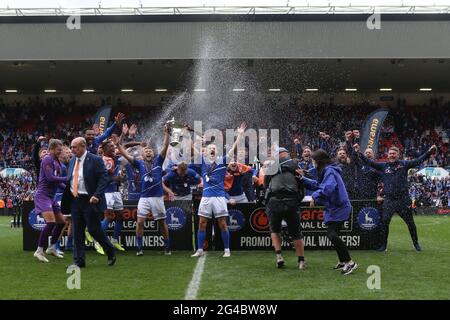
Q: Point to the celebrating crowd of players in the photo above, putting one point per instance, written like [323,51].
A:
[223,180]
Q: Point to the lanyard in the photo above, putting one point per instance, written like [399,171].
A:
[147,168]
[211,168]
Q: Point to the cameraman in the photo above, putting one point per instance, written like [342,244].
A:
[283,195]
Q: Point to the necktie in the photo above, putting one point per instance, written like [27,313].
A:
[75,178]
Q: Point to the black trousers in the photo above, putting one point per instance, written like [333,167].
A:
[333,228]
[401,206]
[284,209]
[85,215]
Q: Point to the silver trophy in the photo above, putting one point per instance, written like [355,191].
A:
[176,132]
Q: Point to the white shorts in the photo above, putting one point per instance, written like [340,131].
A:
[210,206]
[154,205]
[242,198]
[114,201]
[187,197]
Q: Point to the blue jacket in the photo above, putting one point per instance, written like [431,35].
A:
[181,186]
[93,148]
[365,180]
[95,179]
[330,192]
[395,174]
[311,173]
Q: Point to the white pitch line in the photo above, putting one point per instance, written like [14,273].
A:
[430,223]
[194,285]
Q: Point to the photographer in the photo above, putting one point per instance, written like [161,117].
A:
[283,195]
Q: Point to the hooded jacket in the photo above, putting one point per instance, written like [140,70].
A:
[330,192]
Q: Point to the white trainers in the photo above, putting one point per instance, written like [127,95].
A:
[140,253]
[301,265]
[198,253]
[40,256]
[349,268]
[52,251]
[226,253]
[280,261]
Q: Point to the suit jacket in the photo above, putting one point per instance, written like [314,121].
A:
[95,179]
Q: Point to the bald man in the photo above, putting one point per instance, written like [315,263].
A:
[84,198]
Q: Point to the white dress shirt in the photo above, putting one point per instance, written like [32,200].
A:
[81,185]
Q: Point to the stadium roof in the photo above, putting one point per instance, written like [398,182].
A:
[187,7]
[290,75]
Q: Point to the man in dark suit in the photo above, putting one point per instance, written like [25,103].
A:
[84,198]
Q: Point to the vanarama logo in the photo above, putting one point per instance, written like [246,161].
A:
[259,220]
[372,133]
[311,214]
[236,220]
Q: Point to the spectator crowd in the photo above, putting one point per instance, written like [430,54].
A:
[413,129]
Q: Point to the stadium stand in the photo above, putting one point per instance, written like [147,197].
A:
[412,128]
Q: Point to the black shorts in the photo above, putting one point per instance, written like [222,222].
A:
[287,210]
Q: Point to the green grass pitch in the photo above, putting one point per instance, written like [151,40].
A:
[405,274]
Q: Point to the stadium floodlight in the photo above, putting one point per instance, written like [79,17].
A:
[385,89]
[88,90]
[312,89]
[238,90]
[275,90]
[425,89]
[160,90]
[199,90]
[351,89]
[49,90]
[10,91]
[127,90]
[186,7]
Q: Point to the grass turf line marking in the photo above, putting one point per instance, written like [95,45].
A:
[194,285]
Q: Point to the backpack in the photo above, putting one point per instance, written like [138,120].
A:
[285,182]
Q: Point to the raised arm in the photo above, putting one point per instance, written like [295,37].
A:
[349,147]
[108,132]
[298,148]
[241,131]
[117,141]
[367,161]
[35,152]
[166,141]
[415,162]
[324,142]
